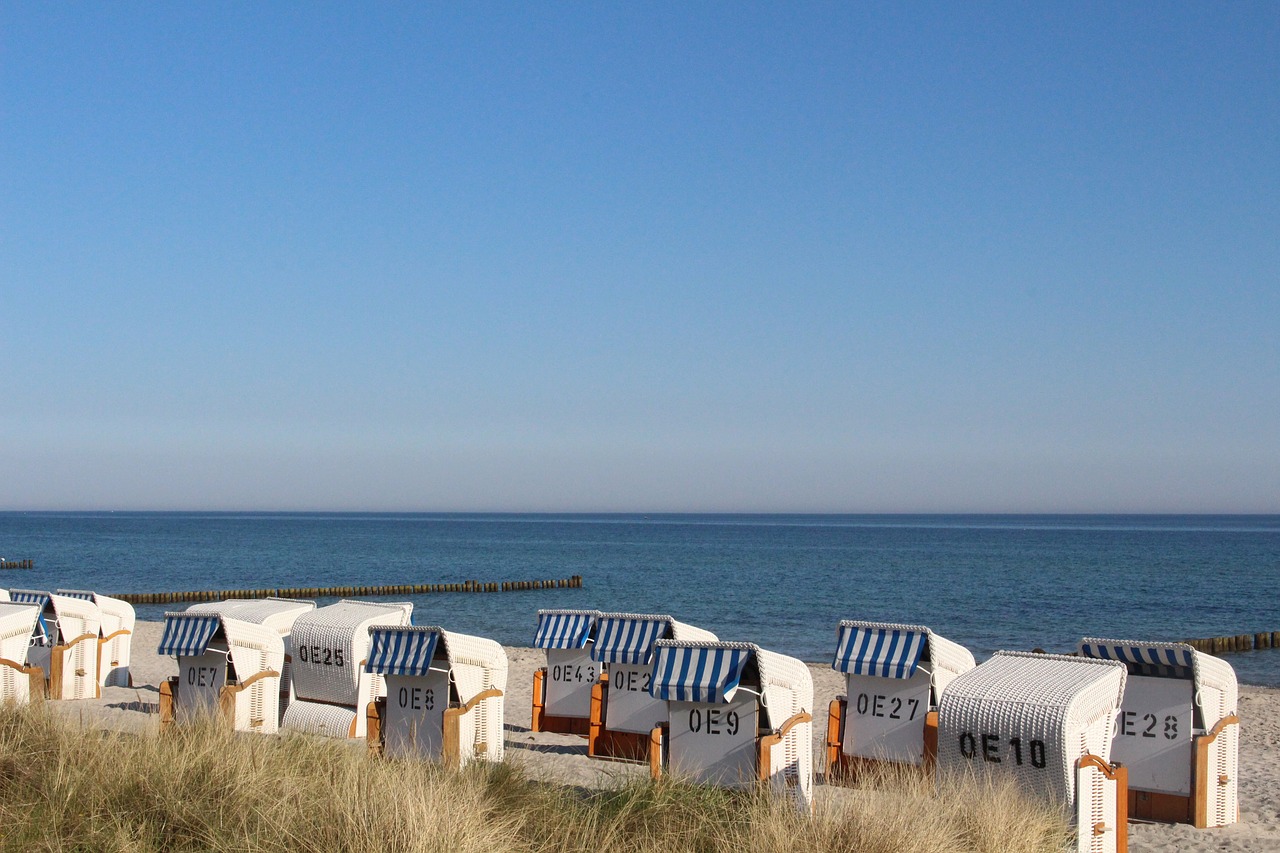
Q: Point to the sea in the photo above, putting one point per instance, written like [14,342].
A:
[783,582]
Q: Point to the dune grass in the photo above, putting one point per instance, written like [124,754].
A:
[65,787]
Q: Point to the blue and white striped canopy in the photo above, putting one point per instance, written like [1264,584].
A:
[621,639]
[401,650]
[78,593]
[698,673]
[188,634]
[883,651]
[29,596]
[560,629]
[1127,651]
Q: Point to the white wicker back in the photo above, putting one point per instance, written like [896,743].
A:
[255,649]
[4,595]
[1032,716]
[17,623]
[79,625]
[116,636]
[787,686]
[477,664]
[330,645]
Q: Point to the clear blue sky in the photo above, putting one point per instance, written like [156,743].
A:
[690,256]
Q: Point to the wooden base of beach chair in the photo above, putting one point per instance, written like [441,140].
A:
[607,744]
[847,769]
[544,722]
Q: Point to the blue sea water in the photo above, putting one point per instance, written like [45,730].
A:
[783,581]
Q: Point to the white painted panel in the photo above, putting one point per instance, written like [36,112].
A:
[570,675]
[715,744]
[631,708]
[1153,734]
[885,717]
[414,725]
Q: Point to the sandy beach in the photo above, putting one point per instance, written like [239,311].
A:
[562,759]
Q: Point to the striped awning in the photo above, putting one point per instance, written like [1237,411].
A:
[78,593]
[401,650]
[621,639]
[562,629]
[698,673]
[1153,655]
[187,634]
[888,652]
[29,596]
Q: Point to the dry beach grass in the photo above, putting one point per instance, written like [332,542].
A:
[64,786]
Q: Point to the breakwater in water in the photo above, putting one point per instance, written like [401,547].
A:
[17,564]
[1237,643]
[574,582]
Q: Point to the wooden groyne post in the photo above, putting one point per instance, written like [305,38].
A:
[574,582]
[1236,643]
[17,564]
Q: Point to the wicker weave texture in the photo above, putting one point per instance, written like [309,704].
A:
[17,622]
[477,664]
[787,688]
[328,645]
[318,718]
[1031,716]
[278,614]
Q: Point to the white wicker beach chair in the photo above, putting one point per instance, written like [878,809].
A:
[739,715]
[889,713]
[227,669]
[115,637]
[445,695]
[278,614]
[623,713]
[1177,734]
[19,681]
[1045,720]
[4,595]
[67,646]
[331,687]
[562,688]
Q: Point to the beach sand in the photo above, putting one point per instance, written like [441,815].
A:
[562,759]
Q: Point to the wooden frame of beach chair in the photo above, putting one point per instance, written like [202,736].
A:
[69,653]
[445,695]
[561,698]
[894,677]
[115,637]
[278,614]
[1177,733]
[227,670]
[623,712]
[738,716]
[20,682]
[1046,721]
[332,688]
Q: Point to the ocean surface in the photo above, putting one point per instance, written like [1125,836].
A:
[783,581]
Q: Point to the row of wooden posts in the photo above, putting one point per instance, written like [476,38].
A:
[574,582]
[1237,643]
[17,564]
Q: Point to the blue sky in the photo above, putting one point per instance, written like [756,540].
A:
[685,257]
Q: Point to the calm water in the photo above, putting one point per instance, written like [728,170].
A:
[988,582]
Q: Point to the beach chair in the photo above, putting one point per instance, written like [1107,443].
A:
[115,637]
[20,682]
[1046,721]
[4,595]
[1177,734]
[227,669]
[66,645]
[562,688]
[332,688]
[894,675]
[444,699]
[623,713]
[738,716]
[277,614]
